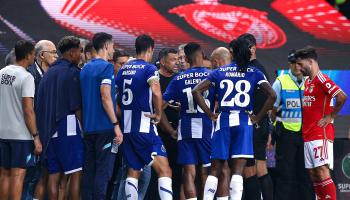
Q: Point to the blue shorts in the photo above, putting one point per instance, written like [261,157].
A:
[65,152]
[139,149]
[17,154]
[194,151]
[233,142]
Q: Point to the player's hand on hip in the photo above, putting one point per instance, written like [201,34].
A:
[176,107]
[253,118]
[325,121]
[214,116]
[155,118]
[38,146]
[173,134]
[118,134]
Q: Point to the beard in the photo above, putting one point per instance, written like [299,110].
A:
[306,71]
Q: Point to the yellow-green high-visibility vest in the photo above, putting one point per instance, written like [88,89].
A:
[291,101]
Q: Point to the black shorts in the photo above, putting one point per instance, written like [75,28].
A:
[260,138]
[17,154]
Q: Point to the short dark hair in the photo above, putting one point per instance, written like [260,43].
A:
[10,58]
[165,52]
[23,48]
[119,53]
[307,52]
[249,37]
[190,49]
[89,47]
[67,43]
[100,39]
[143,42]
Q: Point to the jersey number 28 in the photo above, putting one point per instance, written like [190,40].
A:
[236,100]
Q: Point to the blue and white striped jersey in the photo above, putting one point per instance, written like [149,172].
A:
[135,96]
[193,123]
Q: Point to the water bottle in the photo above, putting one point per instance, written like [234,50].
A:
[115,146]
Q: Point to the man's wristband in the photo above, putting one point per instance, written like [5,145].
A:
[36,134]
[115,123]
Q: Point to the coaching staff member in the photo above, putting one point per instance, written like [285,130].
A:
[99,119]
[17,122]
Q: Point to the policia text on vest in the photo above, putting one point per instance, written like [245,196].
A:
[290,114]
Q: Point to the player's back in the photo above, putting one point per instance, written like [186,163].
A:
[135,95]
[194,123]
[234,88]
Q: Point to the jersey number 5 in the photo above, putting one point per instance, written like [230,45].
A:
[127,93]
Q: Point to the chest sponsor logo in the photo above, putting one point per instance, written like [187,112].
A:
[293,103]
[307,102]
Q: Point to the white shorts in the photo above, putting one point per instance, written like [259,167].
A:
[318,153]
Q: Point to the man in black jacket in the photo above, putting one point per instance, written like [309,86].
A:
[256,173]
[34,185]
[45,55]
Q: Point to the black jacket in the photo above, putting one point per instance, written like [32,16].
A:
[37,73]
[259,95]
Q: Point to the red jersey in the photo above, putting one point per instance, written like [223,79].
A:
[317,102]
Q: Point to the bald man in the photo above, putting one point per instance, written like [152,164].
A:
[35,180]
[220,56]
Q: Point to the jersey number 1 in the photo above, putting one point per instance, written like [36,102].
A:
[191,109]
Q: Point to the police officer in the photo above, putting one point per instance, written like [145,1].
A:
[292,181]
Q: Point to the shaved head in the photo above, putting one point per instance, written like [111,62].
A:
[220,56]
[221,52]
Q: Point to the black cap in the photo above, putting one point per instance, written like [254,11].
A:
[291,56]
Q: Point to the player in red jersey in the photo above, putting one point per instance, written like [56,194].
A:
[319,112]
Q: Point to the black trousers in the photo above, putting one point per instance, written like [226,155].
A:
[293,180]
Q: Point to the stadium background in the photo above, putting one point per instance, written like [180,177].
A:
[279,25]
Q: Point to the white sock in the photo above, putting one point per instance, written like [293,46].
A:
[236,187]
[165,188]
[131,188]
[222,198]
[210,187]
[192,198]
